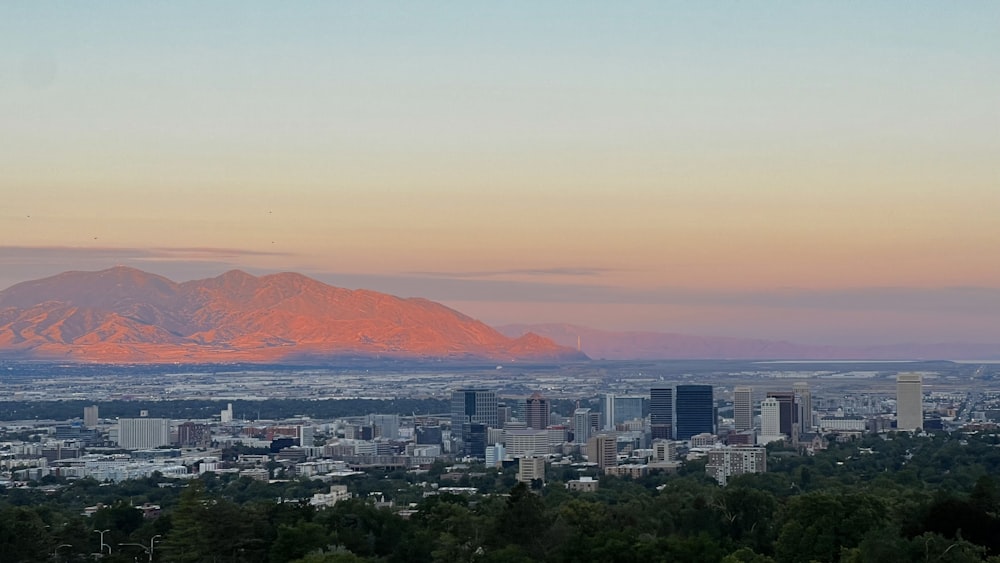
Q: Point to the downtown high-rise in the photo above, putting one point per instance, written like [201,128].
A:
[803,401]
[743,408]
[770,419]
[909,402]
[536,412]
[788,411]
[661,413]
[477,406]
[694,411]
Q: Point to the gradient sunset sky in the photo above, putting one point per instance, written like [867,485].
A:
[814,172]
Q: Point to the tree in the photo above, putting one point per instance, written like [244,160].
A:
[748,515]
[522,521]
[746,555]
[361,528]
[296,541]
[985,496]
[120,518]
[819,525]
[186,543]
[208,529]
[335,556]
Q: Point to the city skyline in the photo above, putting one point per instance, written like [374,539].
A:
[821,174]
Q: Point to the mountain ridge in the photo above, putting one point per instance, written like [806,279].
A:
[123,314]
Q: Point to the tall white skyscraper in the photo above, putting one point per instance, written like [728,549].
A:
[143,433]
[743,408]
[909,402]
[581,426]
[608,411]
[770,420]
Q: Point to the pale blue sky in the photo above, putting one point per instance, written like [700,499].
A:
[740,148]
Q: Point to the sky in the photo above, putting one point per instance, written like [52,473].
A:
[816,172]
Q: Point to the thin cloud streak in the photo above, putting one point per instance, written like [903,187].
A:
[534,272]
[192,251]
[36,254]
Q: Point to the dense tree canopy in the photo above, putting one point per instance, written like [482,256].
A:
[893,498]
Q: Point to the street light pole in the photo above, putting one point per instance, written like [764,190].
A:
[103,545]
[151,540]
[148,550]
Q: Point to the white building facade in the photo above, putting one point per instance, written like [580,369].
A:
[143,433]
[770,421]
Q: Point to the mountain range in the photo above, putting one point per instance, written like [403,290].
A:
[125,315]
[122,315]
[639,345]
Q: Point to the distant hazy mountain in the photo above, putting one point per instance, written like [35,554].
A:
[600,344]
[127,315]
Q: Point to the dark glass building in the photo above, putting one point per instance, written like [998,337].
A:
[694,411]
[472,405]
[428,435]
[661,412]
[474,443]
